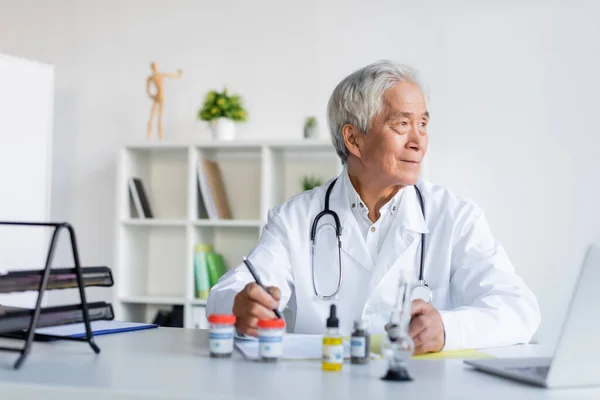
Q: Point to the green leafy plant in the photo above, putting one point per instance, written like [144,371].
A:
[310,122]
[310,182]
[222,104]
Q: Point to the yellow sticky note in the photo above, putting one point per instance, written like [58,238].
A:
[471,354]
[376,340]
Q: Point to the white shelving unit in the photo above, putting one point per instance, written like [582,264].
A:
[154,266]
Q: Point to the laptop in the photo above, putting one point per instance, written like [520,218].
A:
[576,359]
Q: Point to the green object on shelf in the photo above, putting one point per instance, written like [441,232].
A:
[310,182]
[201,252]
[310,122]
[216,267]
[222,104]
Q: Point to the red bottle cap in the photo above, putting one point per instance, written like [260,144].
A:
[271,323]
[221,319]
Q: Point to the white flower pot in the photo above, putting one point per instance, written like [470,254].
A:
[223,128]
[311,132]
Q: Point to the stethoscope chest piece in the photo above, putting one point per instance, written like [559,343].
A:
[421,292]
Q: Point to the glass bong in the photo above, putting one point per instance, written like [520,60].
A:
[397,347]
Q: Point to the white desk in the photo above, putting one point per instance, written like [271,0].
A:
[174,363]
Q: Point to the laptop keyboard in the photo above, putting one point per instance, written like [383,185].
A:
[538,371]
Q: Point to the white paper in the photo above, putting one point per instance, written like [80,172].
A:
[295,347]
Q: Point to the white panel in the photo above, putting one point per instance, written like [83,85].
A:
[26,119]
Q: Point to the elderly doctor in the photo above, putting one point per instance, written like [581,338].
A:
[378,123]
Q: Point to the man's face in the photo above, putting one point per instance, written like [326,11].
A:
[396,142]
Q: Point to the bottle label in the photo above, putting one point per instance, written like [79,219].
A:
[333,351]
[358,346]
[220,340]
[271,346]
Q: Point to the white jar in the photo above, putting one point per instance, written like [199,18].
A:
[220,338]
[270,339]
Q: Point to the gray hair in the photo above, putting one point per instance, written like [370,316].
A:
[357,99]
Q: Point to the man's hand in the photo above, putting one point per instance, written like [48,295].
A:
[426,328]
[252,304]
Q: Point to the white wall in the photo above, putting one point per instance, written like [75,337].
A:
[512,90]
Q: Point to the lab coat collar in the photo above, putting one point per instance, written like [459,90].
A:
[358,206]
[408,218]
[409,224]
[409,213]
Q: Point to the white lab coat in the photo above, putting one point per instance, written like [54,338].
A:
[481,299]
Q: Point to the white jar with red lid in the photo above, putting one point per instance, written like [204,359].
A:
[270,339]
[220,338]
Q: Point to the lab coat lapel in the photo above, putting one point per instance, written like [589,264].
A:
[353,244]
[407,227]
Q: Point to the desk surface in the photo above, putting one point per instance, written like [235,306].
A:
[174,363]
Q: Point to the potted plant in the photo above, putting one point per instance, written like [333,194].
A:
[310,127]
[222,110]
[310,182]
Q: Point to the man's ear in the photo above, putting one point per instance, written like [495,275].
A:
[352,139]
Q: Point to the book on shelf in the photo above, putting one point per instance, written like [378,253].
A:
[201,276]
[212,195]
[209,267]
[216,267]
[141,201]
[170,318]
[206,204]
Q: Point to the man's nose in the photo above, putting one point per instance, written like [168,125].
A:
[414,139]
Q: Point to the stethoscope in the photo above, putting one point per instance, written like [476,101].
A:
[420,290]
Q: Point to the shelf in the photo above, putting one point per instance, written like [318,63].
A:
[302,144]
[157,146]
[155,222]
[231,223]
[155,257]
[216,223]
[238,143]
[152,300]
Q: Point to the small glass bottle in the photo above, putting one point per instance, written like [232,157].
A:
[360,342]
[220,338]
[270,339]
[333,345]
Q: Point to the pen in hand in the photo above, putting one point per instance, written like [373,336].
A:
[259,282]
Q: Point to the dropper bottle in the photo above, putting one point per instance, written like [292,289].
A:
[333,346]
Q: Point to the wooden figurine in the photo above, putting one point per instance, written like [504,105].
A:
[158,97]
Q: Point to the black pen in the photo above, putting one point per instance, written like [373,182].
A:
[257,279]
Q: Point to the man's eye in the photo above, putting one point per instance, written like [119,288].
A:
[423,123]
[403,123]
